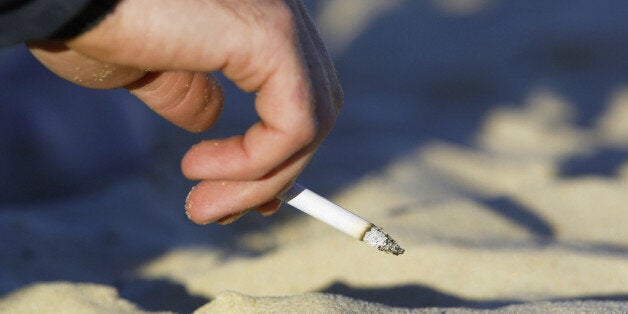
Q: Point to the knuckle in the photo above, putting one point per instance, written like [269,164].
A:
[267,37]
[262,15]
[274,22]
[282,17]
[305,133]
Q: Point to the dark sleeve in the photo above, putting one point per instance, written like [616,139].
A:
[27,20]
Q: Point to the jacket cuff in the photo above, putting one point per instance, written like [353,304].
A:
[49,19]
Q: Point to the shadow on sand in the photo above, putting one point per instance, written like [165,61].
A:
[418,296]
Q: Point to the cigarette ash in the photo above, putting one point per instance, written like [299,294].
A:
[381,241]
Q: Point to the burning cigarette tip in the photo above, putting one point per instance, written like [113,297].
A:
[376,238]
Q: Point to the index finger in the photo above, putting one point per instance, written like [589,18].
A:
[289,123]
[297,106]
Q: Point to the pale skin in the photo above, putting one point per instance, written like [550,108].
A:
[162,50]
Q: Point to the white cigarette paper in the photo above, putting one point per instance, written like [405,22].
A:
[340,218]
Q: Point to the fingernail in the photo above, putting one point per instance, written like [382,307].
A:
[188,203]
[231,218]
[269,208]
[188,207]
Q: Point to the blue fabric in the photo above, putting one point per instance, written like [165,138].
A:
[58,139]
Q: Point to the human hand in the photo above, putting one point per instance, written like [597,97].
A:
[161,51]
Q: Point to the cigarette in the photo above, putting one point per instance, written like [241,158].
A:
[340,218]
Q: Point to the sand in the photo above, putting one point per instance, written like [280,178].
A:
[497,159]
[65,297]
[90,298]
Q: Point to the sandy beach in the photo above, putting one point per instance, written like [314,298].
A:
[489,138]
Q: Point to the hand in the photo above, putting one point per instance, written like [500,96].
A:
[161,51]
